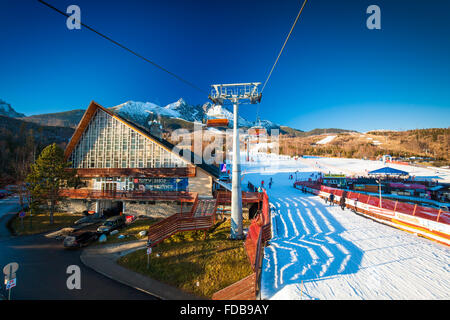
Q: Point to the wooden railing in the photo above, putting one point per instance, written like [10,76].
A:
[182,222]
[242,290]
[224,197]
[183,196]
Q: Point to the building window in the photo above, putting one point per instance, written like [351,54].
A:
[109,143]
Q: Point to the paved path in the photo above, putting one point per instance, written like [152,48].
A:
[103,260]
[42,272]
[43,263]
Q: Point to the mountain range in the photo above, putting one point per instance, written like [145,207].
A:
[59,127]
[142,112]
[178,114]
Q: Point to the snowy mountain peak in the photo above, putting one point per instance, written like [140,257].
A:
[139,112]
[7,110]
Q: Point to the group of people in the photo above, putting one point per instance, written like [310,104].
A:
[260,188]
[341,201]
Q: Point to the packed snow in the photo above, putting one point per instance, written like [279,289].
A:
[320,251]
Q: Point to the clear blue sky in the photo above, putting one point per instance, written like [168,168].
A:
[334,72]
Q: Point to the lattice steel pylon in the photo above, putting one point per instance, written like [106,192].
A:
[235,94]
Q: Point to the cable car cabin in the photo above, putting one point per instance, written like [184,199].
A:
[215,117]
[215,122]
[258,131]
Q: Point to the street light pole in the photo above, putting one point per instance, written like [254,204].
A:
[379,189]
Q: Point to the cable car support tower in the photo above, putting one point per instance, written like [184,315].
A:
[236,94]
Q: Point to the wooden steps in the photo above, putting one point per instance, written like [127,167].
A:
[244,289]
[201,217]
[205,207]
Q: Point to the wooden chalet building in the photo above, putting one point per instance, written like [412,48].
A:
[124,166]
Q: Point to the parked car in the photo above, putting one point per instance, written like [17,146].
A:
[80,240]
[111,224]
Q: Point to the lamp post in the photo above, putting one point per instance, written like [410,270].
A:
[235,94]
[379,189]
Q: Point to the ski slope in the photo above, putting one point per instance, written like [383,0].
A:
[319,251]
[326,140]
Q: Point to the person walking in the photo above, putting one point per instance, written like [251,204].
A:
[342,202]
[331,199]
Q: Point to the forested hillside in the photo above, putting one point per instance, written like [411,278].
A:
[21,142]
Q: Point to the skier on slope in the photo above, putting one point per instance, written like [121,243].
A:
[331,199]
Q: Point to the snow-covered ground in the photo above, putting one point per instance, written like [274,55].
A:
[319,251]
[362,167]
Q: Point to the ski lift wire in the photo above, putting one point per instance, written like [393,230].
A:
[127,49]
[282,48]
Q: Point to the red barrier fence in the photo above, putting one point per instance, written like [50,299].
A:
[429,213]
[428,222]
[258,233]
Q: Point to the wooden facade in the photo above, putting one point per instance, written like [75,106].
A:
[112,154]
[137,172]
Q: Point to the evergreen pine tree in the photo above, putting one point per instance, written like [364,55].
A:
[48,175]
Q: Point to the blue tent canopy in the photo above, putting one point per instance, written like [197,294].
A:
[389,171]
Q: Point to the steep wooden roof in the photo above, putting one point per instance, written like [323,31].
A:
[90,112]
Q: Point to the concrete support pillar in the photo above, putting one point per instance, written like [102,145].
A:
[236,193]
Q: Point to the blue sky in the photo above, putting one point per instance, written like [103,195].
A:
[334,72]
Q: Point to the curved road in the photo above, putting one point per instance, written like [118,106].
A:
[42,268]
